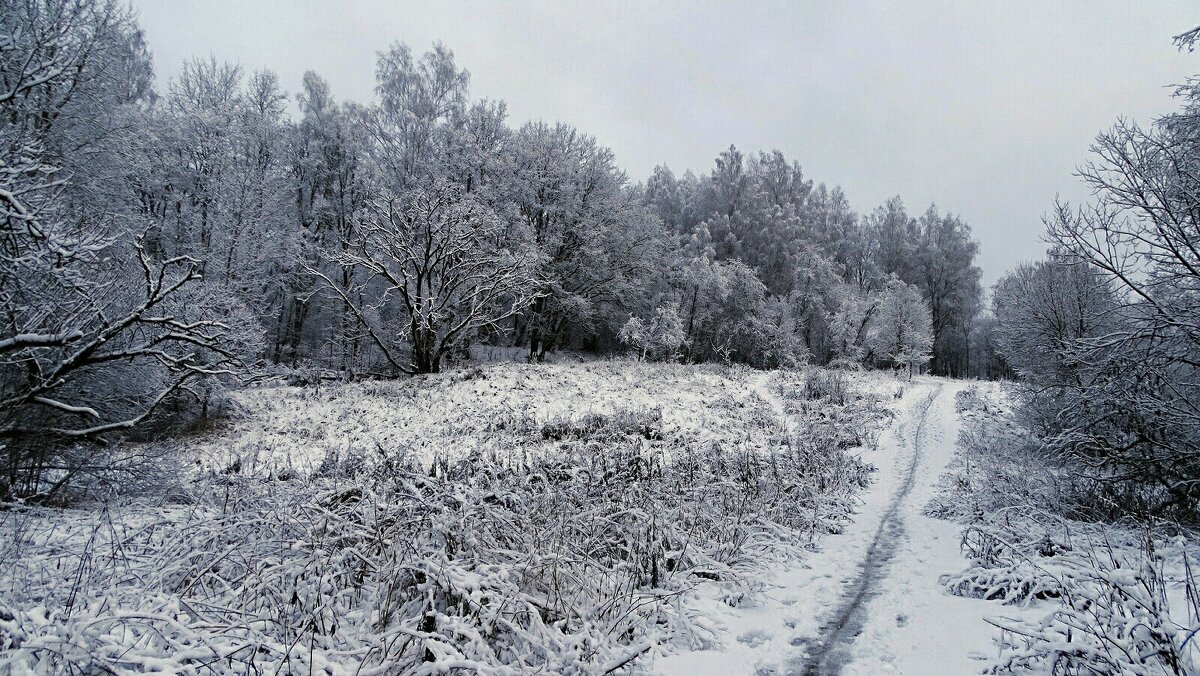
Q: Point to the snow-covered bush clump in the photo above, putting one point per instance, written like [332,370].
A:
[825,385]
[1118,609]
[1115,598]
[658,337]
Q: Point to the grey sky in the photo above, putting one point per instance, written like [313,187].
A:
[985,108]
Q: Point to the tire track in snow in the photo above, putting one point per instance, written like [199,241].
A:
[831,650]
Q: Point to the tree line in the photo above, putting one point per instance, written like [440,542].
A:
[154,243]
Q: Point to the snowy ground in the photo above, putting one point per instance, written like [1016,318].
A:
[459,412]
[869,601]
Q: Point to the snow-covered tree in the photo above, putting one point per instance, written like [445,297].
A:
[659,336]
[1111,329]
[849,324]
[96,332]
[599,247]
[213,183]
[901,330]
[420,101]
[1046,312]
[949,279]
[812,300]
[332,181]
[986,358]
[446,264]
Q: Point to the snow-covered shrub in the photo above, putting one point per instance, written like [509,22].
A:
[1008,564]
[992,469]
[1117,607]
[1005,461]
[829,385]
[970,398]
[1118,600]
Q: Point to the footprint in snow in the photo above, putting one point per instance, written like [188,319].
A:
[754,638]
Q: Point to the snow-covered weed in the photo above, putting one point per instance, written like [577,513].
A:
[1114,607]
[1006,567]
[827,385]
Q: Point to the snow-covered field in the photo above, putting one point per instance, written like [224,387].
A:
[468,411]
[500,519]
[597,517]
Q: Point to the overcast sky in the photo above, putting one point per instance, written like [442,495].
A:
[985,108]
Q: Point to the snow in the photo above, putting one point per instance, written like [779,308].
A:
[249,537]
[915,625]
[912,625]
[294,428]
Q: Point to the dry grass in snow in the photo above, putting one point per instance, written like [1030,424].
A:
[474,410]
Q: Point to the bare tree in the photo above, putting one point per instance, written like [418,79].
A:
[106,365]
[1187,39]
[449,266]
[1133,411]
[95,334]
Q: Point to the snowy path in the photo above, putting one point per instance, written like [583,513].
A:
[834,646]
[869,602]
